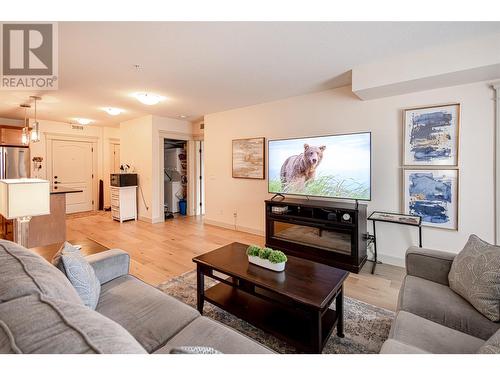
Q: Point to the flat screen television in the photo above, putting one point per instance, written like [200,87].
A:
[334,166]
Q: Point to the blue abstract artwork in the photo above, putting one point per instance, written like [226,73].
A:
[431,136]
[432,195]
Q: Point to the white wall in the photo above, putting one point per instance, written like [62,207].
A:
[136,138]
[11,122]
[442,66]
[197,131]
[109,135]
[98,134]
[340,111]
[140,147]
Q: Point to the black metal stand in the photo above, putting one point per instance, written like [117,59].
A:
[375,259]
[373,238]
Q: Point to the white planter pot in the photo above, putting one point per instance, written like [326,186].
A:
[278,267]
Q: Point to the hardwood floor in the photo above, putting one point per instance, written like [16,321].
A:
[161,251]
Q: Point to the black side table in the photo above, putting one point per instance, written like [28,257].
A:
[395,218]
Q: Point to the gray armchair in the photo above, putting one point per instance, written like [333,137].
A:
[432,318]
[432,265]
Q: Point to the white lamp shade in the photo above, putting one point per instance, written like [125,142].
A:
[24,197]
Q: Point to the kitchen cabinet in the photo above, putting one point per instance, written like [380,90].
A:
[11,135]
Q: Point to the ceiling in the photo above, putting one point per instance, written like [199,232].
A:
[204,67]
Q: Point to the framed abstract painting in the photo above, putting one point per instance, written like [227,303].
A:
[432,194]
[248,158]
[431,136]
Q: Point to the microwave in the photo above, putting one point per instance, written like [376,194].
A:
[123,179]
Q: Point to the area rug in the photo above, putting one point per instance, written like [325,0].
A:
[366,327]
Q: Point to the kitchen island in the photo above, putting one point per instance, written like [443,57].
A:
[49,229]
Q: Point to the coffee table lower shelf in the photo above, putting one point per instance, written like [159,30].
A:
[306,329]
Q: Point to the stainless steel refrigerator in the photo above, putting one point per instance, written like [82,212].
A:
[14,162]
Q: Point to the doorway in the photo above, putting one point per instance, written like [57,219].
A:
[175,177]
[115,158]
[113,167]
[72,166]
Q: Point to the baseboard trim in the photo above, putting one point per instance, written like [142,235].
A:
[238,228]
[392,260]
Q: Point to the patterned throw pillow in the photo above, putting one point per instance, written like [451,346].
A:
[475,275]
[492,346]
[194,350]
[80,273]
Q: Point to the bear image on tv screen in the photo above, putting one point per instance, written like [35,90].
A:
[301,168]
[330,166]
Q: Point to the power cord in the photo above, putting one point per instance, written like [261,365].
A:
[143,199]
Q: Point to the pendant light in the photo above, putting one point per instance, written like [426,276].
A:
[25,136]
[35,132]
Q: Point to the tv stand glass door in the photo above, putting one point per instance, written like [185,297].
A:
[334,240]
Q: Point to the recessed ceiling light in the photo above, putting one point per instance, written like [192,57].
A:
[113,111]
[182,116]
[148,98]
[83,121]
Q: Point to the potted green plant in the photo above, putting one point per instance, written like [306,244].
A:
[266,257]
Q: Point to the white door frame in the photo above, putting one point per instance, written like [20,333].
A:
[196,175]
[199,171]
[496,86]
[111,142]
[49,137]
[191,170]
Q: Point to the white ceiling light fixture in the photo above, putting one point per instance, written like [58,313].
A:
[83,121]
[148,98]
[113,111]
[144,97]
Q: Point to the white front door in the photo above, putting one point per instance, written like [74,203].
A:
[72,165]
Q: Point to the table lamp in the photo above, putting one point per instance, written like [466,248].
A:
[21,199]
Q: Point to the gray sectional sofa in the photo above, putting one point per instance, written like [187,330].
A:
[431,317]
[40,312]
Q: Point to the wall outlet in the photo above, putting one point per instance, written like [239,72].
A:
[235,214]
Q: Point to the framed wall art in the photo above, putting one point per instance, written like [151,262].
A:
[431,136]
[432,194]
[249,158]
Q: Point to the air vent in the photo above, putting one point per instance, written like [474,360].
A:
[76,127]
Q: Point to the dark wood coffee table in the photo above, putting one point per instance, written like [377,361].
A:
[292,305]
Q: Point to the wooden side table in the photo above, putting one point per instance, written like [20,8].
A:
[88,247]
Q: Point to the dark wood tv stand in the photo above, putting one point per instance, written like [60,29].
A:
[328,232]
